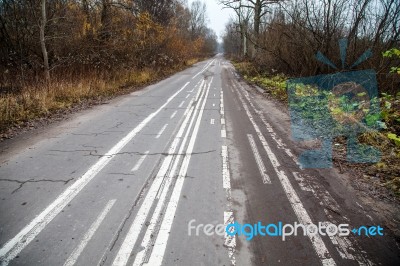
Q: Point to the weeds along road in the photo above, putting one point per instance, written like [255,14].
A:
[154,177]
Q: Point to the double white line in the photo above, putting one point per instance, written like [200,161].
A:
[159,191]
[295,202]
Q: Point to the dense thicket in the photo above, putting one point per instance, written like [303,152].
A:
[69,39]
[284,36]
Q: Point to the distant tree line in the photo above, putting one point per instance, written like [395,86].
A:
[284,35]
[43,39]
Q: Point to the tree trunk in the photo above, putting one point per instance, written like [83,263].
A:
[245,45]
[43,41]
[257,22]
[105,33]
[257,19]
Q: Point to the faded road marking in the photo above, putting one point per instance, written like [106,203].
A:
[300,211]
[161,131]
[261,166]
[173,114]
[139,162]
[230,241]
[160,244]
[89,234]
[140,218]
[223,133]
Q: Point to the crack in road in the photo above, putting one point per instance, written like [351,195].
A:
[74,151]
[93,153]
[152,154]
[103,133]
[117,125]
[90,146]
[32,180]
[126,174]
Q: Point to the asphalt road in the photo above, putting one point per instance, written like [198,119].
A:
[138,180]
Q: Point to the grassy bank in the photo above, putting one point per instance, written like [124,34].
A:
[39,100]
[385,125]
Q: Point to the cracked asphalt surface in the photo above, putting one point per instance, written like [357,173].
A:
[121,183]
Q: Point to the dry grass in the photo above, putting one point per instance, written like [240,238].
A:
[37,100]
[192,61]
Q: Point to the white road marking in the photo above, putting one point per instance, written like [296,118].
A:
[261,166]
[156,214]
[212,121]
[157,211]
[342,242]
[303,183]
[161,131]
[230,241]
[226,176]
[187,96]
[173,114]
[160,244]
[139,162]
[15,245]
[213,104]
[223,133]
[181,104]
[270,130]
[140,218]
[300,211]
[203,69]
[89,234]
[343,245]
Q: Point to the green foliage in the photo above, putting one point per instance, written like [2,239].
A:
[390,111]
[372,119]
[274,85]
[393,53]
[395,138]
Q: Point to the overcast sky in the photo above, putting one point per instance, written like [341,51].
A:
[217,16]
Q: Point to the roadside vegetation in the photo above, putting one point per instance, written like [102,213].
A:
[58,55]
[271,42]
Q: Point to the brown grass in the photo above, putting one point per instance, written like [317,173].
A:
[36,100]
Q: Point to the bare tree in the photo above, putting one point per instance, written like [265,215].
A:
[160,10]
[244,15]
[42,28]
[198,18]
[259,8]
